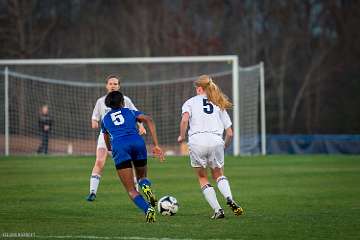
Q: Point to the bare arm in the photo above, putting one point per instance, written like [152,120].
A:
[183,126]
[94,124]
[150,123]
[228,136]
[107,141]
[95,118]
[142,130]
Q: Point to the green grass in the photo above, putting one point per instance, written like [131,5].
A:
[284,197]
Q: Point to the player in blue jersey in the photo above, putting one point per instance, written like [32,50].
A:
[127,146]
[112,84]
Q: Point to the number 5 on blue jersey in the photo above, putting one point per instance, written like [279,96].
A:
[117,118]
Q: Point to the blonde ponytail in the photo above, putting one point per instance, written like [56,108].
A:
[213,92]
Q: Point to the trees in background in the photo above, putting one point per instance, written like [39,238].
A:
[309,47]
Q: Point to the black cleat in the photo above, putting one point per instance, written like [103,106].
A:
[219,214]
[91,197]
[237,210]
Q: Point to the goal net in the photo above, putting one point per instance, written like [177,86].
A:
[158,88]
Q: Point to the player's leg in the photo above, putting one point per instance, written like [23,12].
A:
[125,173]
[135,177]
[41,146]
[139,157]
[144,182]
[224,187]
[209,192]
[101,154]
[217,172]
[198,161]
[46,142]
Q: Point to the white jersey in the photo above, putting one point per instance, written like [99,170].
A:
[101,109]
[207,121]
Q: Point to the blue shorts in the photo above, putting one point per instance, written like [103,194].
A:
[131,147]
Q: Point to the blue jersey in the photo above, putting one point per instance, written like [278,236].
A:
[126,143]
[120,122]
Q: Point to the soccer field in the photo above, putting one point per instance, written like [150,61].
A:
[284,197]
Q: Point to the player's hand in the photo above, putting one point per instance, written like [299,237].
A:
[158,152]
[142,129]
[180,139]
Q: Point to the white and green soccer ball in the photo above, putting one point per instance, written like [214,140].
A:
[168,206]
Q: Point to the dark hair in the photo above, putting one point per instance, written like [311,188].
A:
[114,99]
[112,76]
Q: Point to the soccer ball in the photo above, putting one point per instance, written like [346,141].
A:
[168,206]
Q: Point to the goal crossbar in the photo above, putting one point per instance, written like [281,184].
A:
[132,60]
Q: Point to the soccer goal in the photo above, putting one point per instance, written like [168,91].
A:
[157,86]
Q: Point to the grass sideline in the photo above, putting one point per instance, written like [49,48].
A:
[284,197]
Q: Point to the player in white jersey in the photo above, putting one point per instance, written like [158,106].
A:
[100,109]
[206,114]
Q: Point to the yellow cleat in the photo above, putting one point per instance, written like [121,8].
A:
[150,215]
[149,194]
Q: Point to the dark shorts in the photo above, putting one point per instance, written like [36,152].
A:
[127,164]
[127,149]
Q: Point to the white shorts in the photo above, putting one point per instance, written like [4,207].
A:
[206,156]
[101,141]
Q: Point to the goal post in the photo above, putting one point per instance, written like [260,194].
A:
[14,69]
[6,110]
[262,109]
[252,119]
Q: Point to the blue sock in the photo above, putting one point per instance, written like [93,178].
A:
[141,203]
[144,181]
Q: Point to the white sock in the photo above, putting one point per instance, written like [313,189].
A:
[224,187]
[210,196]
[94,183]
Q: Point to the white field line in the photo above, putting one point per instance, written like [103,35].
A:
[120,238]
